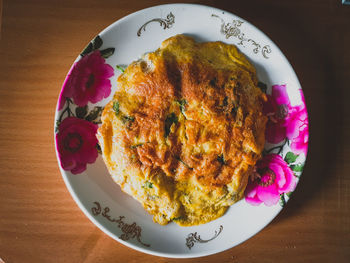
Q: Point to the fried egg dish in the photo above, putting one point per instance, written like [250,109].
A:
[184,130]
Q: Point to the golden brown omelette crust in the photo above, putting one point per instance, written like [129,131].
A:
[190,110]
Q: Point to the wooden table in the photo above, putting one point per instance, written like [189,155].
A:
[40,222]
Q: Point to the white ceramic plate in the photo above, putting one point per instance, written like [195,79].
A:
[119,215]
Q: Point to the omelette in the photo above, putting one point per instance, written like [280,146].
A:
[184,130]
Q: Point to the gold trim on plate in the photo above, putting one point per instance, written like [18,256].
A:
[164,22]
[195,238]
[130,231]
[233,30]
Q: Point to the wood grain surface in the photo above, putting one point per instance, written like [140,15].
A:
[40,222]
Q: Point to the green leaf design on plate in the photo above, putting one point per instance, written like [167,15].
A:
[290,157]
[96,43]
[81,112]
[297,167]
[57,126]
[88,49]
[95,115]
[282,200]
[106,53]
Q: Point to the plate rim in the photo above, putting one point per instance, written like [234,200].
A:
[85,209]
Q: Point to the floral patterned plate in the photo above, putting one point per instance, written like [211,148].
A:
[91,83]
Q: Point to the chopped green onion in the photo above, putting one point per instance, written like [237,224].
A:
[116,107]
[168,122]
[148,184]
[120,68]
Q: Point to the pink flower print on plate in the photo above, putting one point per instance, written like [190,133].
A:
[88,80]
[76,144]
[272,178]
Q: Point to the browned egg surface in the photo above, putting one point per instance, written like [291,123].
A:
[185,129]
